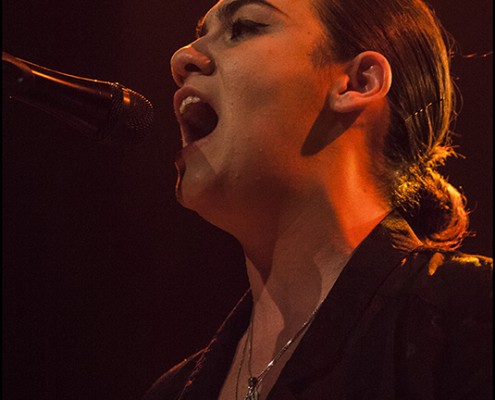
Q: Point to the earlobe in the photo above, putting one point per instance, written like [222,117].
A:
[366,79]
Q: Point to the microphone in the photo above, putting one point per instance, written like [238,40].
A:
[104,111]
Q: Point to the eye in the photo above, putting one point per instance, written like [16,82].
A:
[243,27]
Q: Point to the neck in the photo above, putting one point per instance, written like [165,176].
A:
[301,226]
[291,272]
[290,281]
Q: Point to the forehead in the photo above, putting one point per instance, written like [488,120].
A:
[292,9]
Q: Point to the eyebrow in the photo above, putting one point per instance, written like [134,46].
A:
[226,11]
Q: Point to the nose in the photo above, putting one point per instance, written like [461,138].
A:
[187,61]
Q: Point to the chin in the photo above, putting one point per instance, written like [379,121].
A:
[210,203]
[198,192]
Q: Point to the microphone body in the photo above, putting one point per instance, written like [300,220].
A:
[104,111]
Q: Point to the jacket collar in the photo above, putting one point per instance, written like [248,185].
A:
[366,274]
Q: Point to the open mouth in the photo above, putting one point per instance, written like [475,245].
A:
[197,118]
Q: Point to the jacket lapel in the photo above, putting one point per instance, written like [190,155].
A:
[375,259]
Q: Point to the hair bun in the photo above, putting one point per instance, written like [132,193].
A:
[435,209]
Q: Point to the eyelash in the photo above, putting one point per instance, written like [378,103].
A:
[237,28]
[242,27]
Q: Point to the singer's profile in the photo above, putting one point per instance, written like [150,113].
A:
[314,132]
[105,111]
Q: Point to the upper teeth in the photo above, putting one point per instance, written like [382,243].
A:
[188,100]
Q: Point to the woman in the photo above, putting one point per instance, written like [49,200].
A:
[312,132]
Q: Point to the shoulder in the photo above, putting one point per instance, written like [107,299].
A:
[170,385]
[453,300]
[458,283]
[447,325]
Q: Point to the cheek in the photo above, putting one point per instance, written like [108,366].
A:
[269,109]
[274,111]
[261,88]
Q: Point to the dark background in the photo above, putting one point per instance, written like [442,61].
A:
[107,281]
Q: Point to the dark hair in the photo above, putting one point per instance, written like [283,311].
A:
[422,104]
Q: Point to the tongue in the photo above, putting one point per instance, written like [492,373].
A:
[201,120]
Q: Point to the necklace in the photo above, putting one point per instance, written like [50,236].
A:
[255,381]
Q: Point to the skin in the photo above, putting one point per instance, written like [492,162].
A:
[290,169]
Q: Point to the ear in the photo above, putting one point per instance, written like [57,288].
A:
[366,79]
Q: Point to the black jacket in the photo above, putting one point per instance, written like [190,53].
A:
[401,323]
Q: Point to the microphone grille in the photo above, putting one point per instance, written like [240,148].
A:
[131,116]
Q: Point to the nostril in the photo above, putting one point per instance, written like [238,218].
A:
[192,68]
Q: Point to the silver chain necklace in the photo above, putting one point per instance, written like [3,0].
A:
[254,382]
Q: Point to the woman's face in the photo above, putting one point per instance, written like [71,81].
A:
[255,64]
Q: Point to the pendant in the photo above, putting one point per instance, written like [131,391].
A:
[252,393]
